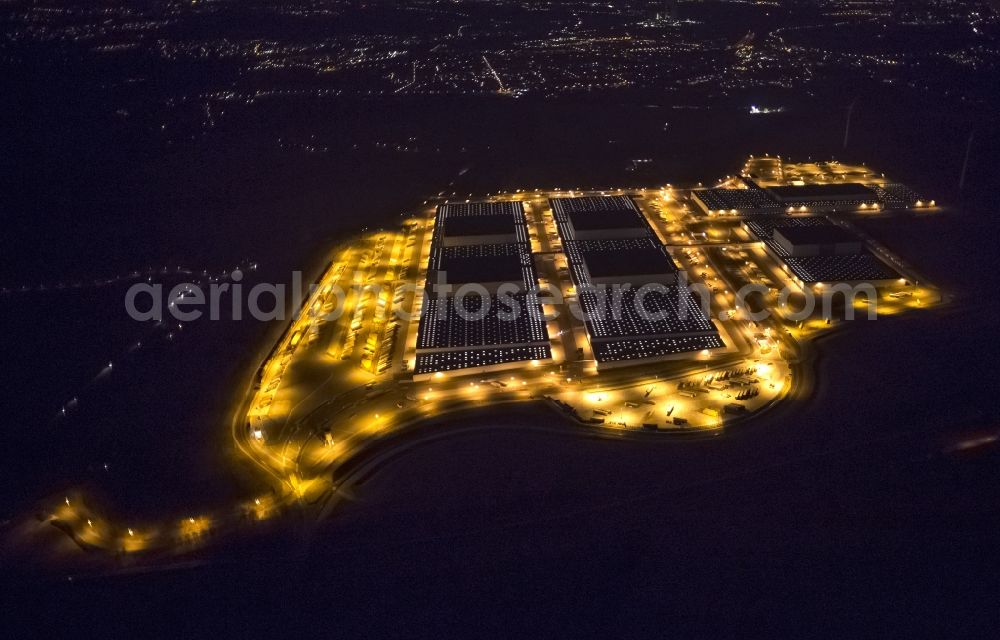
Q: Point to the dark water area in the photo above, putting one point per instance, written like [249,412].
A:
[842,508]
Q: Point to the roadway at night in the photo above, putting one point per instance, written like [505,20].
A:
[319,403]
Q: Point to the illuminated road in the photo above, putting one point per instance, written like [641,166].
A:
[335,384]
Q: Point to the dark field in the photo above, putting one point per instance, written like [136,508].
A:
[845,512]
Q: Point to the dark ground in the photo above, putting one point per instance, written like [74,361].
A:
[840,515]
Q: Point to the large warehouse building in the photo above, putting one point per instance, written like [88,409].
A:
[746,196]
[477,248]
[817,240]
[813,250]
[653,318]
[845,193]
[748,200]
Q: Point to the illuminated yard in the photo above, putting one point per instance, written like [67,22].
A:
[356,365]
